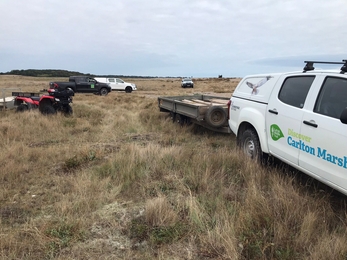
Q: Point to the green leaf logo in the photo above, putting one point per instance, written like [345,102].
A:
[276,132]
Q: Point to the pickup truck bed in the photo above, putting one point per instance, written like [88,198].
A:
[205,110]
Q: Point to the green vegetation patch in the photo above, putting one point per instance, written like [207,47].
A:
[156,235]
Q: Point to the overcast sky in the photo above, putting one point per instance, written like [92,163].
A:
[199,38]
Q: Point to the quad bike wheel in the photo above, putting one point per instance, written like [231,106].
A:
[46,108]
[22,108]
[67,110]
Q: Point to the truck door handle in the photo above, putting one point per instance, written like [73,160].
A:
[310,123]
[273,111]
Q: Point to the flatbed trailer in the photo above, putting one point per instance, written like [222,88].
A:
[208,111]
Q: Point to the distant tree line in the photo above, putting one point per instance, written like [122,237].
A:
[61,73]
[43,73]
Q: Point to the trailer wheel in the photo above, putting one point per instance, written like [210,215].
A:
[250,145]
[22,107]
[179,119]
[216,116]
[182,120]
[173,117]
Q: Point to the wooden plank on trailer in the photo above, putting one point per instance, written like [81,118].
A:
[208,103]
[221,101]
[192,102]
[202,102]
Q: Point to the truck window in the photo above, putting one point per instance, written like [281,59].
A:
[91,80]
[332,98]
[120,81]
[111,80]
[294,90]
[79,80]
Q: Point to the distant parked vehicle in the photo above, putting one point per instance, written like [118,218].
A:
[187,83]
[118,84]
[82,84]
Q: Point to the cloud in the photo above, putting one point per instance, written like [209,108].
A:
[170,38]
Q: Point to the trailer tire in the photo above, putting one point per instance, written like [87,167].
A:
[216,116]
[173,117]
[179,119]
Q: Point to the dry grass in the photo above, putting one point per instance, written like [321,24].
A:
[119,180]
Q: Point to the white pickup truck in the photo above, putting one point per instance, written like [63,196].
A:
[297,117]
[118,84]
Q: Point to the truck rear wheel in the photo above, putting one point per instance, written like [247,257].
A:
[216,116]
[250,145]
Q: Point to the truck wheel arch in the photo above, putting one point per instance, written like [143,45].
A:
[243,126]
[248,142]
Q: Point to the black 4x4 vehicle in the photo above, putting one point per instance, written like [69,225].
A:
[83,84]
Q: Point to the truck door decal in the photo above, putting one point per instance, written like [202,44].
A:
[276,132]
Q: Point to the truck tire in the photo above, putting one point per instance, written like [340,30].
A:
[216,116]
[46,108]
[103,92]
[128,89]
[22,107]
[249,143]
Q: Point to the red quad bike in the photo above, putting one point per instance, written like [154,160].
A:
[47,104]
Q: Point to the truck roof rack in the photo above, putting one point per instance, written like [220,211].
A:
[309,65]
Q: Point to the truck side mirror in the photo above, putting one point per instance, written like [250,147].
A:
[343,117]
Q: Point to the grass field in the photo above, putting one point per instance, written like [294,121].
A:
[119,180]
